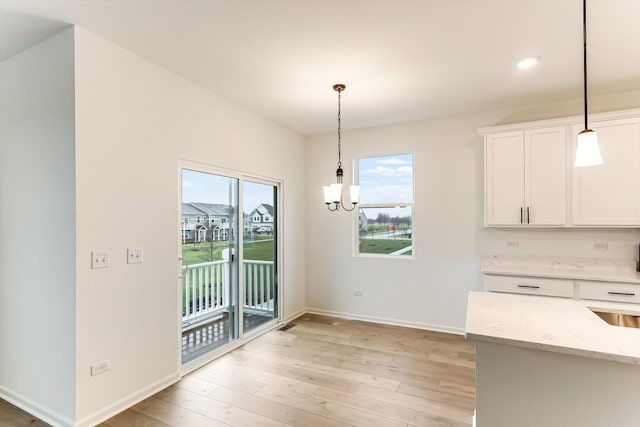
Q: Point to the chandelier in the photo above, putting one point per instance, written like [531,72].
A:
[333,192]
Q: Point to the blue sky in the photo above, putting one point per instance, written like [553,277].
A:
[209,188]
[386,179]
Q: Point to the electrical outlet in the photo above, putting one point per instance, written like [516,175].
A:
[601,246]
[512,243]
[134,255]
[100,367]
[357,292]
[100,259]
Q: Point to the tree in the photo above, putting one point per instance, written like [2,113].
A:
[383,218]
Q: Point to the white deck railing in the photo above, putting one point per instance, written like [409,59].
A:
[258,285]
[205,288]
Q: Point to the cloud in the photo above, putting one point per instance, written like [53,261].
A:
[386,171]
[392,161]
[187,184]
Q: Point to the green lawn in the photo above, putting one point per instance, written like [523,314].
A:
[383,246]
[258,249]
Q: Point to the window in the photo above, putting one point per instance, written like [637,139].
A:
[385,213]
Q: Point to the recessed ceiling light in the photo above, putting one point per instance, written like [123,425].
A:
[529,62]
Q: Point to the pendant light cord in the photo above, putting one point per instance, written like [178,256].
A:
[339,142]
[584,41]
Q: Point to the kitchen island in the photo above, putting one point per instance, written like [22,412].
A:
[550,362]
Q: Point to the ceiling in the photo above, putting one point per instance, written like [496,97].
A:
[401,60]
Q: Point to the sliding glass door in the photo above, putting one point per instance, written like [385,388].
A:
[226,292]
[259,254]
[209,268]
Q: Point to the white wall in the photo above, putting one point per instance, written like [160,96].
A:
[37,226]
[449,238]
[134,122]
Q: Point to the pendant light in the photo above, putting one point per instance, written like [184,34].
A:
[333,192]
[588,150]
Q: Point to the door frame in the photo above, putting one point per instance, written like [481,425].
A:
[243,337]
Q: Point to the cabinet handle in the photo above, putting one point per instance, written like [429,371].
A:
[626,294]
[528,217]
[529,286]
[521,220]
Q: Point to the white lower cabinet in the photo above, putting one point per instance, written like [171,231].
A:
[530,285]
[610,291]
[564,288]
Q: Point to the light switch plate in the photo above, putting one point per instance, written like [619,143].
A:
[134,255]
[100,259]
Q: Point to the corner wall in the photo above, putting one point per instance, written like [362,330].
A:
[135,121]
[37,226]
[449,237]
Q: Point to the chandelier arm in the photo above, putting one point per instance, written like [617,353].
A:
[349,210]
[335,208]
[353,205]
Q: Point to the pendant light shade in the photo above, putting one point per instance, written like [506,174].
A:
[588,149]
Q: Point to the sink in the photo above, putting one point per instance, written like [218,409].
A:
[619,319]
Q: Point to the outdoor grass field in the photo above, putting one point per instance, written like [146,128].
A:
[383,246]
[260,249]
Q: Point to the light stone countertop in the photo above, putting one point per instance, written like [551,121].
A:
[573,269]
[560,325]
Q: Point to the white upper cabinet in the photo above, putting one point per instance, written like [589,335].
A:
[609,194]
[546,176]
[530,180]
[504,182]
[525,177]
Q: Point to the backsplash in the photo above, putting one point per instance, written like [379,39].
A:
[601,244]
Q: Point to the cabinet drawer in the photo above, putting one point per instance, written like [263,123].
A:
[610,291]
[530,285]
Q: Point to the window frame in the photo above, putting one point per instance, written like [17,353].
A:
[356,212]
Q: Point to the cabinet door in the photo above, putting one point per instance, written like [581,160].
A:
[504,178]
[546,176]
[609,194]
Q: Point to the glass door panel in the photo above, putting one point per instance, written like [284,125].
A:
[209,236]
[259,251]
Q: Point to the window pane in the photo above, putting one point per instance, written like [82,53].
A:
[386,179]
[385,230]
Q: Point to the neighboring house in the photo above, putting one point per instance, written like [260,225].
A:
[363,222]
[262,219]
[205,221]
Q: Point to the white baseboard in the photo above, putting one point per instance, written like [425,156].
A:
[127,402]
[294,315]
[387,321]
[45,414]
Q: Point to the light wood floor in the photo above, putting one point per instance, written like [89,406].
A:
[10,416]
[323,372]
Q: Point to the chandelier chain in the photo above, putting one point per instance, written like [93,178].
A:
[339,139]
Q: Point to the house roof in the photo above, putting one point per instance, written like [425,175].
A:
[265,208]
[188,209]
[206,209]
[262,209]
